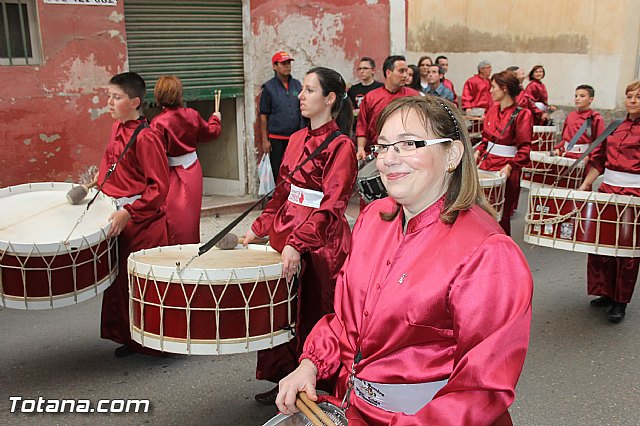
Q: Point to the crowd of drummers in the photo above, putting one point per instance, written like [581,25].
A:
[420,313]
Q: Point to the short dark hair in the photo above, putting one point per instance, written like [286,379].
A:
[390,63]
[441,57]
[513,68]
[534,69]
[588,88]
[440,68]
[370,60]
[132,84]
[508,80]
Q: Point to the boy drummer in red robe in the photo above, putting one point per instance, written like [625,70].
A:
[139,184]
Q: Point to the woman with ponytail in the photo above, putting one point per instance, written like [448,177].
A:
[305,220]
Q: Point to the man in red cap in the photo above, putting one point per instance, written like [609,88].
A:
[279,110]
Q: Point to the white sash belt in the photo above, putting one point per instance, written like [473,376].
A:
[400,398]
[185,160]
[305,197]
[623,179]
[123,201]
[502,150]
[540,106]
[578,148]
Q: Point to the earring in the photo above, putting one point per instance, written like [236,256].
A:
[451,167]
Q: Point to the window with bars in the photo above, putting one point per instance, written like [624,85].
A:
[19,37]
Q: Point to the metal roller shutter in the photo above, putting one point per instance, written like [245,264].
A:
[199,41]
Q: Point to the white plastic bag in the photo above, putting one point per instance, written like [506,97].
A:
[267,183]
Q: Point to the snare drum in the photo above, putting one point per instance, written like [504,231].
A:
[334,412]
[224,302]
[369,183]
[587,222]
[493,186]
[41,265]
[544,138]
[474,127]
[545,169]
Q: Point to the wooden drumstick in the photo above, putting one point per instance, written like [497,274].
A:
[217,94]
[307,412]
[317,411]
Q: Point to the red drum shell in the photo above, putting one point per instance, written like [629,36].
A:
[49,274]
[545,169]
[207,310]
[587,222]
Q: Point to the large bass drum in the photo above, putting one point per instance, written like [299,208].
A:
[587,222]
[43,265]
[224,302]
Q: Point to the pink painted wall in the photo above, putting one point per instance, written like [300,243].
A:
[53,120]
[331,33]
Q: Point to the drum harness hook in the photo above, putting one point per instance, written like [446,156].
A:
[346,401]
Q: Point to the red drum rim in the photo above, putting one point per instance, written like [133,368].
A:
[60,300]
[20,248]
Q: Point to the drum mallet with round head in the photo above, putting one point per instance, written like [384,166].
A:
[78,193]
[228,242]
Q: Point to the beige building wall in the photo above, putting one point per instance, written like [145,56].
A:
[593,42]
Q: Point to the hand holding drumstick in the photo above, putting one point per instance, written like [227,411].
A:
[217,95]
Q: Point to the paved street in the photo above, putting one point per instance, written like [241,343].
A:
[580,370]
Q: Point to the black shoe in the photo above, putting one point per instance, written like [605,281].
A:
[267,398]
[602,302]
[616,312]
[124,351]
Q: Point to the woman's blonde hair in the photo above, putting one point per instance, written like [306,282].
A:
[634,85]
[168,91]
[442,118]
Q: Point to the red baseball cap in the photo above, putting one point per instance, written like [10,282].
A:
[281,57]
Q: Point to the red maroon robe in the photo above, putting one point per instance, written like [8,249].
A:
[181,130]
[142,171]
[571,126]
[475,93]
[536,91]
[615,277]
[321,235]
[371,107]
[435,302]
[518,134]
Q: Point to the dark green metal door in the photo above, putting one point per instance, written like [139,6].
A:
[198,41]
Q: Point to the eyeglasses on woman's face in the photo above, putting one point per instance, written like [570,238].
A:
[406,148]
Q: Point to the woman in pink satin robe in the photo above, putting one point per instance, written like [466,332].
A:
[433,304]
[181,130]
[536,94]
[613,279]
[305,220]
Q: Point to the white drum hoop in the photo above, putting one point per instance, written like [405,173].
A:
[198,276]
[544,137]
[539,158]
[50,253]
[622,203]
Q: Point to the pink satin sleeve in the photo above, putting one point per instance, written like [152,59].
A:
[263,224]
[490,303]
[523,136]
[209,130]
[338,180]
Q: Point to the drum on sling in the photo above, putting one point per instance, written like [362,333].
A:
[474,127]
[224,302]
[42,265]
[369,183]
[493,185]
[335,413]
[587,222]
[545,170]
[544,138]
